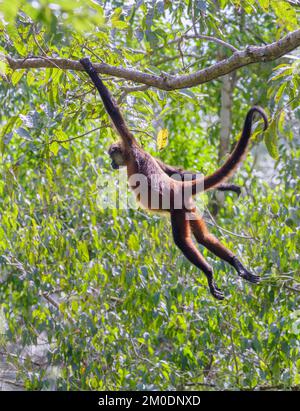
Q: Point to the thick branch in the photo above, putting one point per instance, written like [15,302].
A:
[239,59]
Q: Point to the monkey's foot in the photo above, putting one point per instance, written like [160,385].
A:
[216,292]
[244,273]
[252,278]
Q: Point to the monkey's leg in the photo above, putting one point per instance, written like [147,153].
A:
[204,237]
[182,238]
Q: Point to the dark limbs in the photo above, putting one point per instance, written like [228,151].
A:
[182,228]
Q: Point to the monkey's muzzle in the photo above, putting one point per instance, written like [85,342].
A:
[114,165]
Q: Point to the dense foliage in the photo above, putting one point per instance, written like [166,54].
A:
[96,298]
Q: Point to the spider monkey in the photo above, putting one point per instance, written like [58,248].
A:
[157,175]
[117,156]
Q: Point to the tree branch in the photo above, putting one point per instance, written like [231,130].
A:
[250,55]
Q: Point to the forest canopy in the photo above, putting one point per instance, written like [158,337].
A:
[99,298]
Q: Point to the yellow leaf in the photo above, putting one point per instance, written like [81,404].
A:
[162,138]
[54,147]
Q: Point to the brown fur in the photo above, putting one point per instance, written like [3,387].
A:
[160,183]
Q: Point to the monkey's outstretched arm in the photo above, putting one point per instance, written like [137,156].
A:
[109,103]
[178,173]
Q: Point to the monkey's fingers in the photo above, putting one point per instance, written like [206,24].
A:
[252,278]
[243,272]
[216,292]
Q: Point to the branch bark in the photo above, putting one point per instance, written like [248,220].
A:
[250,55]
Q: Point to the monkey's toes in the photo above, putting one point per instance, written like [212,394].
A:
[252,278]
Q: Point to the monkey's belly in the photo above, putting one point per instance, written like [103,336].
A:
[158,202]
[154,201]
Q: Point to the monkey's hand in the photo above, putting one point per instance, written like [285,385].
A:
[215,291]
[244,273]
[86,63]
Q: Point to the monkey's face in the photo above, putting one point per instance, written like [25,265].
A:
[116,154]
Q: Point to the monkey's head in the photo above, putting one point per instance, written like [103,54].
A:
[117,155]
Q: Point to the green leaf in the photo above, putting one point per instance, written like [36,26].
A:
[265,4]
[188,93]
[121,25]
[286,14]
[3,67]
[30,78]
[24,133]
[281,121]
[280,91]
[83,251]
[281,72]
[7,128]
[271,140]
[16,77]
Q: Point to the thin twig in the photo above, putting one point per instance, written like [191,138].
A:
[274,387]
[16,384]
[172,58]
[295,290]
[51,300]
[134,88]
[37,43]
[81,136]
[7,354]
[181,52]
[201,384]
[138,130]
[212,39]
[56,305]
[91,51]
[138,355]
[214,223]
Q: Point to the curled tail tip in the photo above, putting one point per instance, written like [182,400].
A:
[263,114]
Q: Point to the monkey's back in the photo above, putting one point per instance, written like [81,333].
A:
[154,189]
